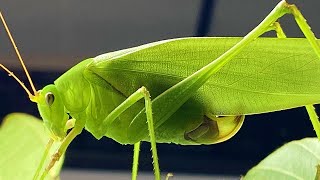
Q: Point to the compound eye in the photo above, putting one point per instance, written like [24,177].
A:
[49,98]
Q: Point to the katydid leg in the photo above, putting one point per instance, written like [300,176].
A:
[132,99]
[169,175]
[135,164]
[43,158]
[63,147]
[305,28]
[314,119]
[278,29]
[178,94]
[310,108]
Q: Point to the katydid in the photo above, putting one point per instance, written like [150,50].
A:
[195,90]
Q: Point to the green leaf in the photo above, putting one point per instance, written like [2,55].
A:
[22,142]
[295,160]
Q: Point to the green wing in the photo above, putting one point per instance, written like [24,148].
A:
[270,74]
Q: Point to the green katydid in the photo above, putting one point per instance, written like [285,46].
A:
[201,89]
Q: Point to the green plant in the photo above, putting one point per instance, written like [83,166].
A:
[23,139]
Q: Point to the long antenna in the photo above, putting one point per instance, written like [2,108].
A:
[17,79]
[20,58]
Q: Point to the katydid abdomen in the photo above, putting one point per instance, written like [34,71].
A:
[268,75]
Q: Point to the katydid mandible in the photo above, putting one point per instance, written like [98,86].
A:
[186,91]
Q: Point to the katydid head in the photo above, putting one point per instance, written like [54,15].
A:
[49,101]
[52,111]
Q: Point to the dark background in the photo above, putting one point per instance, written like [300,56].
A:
[55,35]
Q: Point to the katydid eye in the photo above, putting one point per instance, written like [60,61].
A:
[49,98]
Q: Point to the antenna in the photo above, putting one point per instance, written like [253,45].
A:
[21,61]
[17,79]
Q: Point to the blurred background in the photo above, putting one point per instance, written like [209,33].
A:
[53,36]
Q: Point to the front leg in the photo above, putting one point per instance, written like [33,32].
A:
[63,147]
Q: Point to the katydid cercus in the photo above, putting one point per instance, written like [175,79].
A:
[195,90]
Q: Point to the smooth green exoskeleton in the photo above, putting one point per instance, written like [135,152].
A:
[201,88]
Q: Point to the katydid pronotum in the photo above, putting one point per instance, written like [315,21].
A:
[195,90]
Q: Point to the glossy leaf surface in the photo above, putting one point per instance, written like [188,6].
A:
[22,143]
[295,160]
